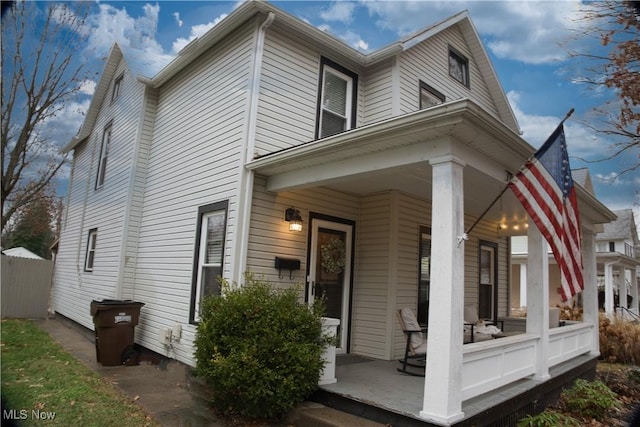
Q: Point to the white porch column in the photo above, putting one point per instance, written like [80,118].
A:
[608,288]
[622,288]
[523,285]
[635,306]
[538,297]
[590,312]
[442,402]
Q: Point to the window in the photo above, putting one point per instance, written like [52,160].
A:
[424,272]
[628,249]
[209,253]
[488,288]
[337,99]
[429,96]
[612,246]
[104,152]
[458,66]
[91,250]
[117,85]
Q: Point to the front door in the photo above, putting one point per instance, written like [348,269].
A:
[329,275]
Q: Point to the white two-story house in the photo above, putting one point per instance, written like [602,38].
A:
[265,141]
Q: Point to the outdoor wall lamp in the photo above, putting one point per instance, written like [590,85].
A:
[292,216]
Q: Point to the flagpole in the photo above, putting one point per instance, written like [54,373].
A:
[466,233]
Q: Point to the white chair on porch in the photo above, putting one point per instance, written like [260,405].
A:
[415,351]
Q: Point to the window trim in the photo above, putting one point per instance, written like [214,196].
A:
[104,155]
[423,230]
[203,211]
[90,253]
[493,246]
[117,87]
[352,102]
[458,56]
[436,93]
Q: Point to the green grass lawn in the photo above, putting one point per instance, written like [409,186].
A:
[44,385]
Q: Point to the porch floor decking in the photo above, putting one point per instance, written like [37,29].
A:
[374,389]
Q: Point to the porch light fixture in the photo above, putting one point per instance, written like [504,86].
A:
[292,216]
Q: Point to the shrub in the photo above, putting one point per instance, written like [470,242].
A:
[549,418]
[589,399]
[259,349]
[619,341]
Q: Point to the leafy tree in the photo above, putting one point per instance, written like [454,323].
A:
[33,228]
[39,79]
[616,25]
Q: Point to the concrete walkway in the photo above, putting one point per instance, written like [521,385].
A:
[166,390]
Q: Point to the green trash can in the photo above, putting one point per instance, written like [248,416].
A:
[114,326]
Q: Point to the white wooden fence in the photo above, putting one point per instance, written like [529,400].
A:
[26,285]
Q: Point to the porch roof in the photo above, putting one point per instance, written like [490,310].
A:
[395,154]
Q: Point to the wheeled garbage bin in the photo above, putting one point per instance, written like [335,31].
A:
[114,325]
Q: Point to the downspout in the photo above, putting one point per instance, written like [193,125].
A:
[246,177]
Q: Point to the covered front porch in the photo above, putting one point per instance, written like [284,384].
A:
[439,168]
[375,390]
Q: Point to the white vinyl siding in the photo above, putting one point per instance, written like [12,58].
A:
[198,134]
[288,94]
[269,233]
[429,62]
[378,93]
[104,209]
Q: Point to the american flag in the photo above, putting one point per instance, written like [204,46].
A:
[545,188]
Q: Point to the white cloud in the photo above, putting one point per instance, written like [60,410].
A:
[196,31]
[88,87]
[178,20]
[581,141]
[339,11]
[526,31]
[112,25]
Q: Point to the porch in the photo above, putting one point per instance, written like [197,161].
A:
[499,386]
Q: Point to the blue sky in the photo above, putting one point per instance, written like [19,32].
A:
[527,42]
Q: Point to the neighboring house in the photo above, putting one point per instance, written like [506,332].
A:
[618,259]
[21,252]
[187,173]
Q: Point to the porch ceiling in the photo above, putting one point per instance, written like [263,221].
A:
[394,155]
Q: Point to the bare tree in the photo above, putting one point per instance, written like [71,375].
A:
[40,76]
[616,25]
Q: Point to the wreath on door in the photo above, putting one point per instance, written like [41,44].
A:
[333,256]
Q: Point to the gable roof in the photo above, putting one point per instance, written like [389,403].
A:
[624,227]
[328,42]
[138,65]
[582,177]
[155,70]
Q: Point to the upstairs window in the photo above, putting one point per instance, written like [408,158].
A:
[429,96]
[628,249]
[458,66]
[91,250]
[210,240]
[337,99]
[612,246]
[104,153]
[117,85]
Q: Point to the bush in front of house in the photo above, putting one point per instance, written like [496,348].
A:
[259,349]
[549,418]
[589,399]
[619,341]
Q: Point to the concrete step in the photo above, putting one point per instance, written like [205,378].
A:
[310,414]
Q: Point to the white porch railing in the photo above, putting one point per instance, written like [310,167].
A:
[569,341]
[489,365]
